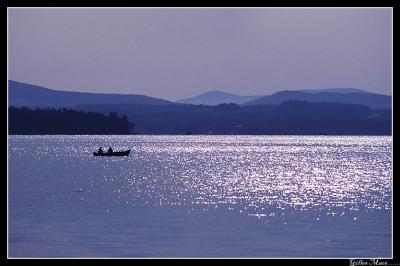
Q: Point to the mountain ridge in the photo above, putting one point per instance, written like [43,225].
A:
[371,100]
[217,97]
[337,90]
[23,94]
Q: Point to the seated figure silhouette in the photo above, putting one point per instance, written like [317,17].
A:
[100,150]
[110,150]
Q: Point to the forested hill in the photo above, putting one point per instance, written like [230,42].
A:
[291,117]
[23,121]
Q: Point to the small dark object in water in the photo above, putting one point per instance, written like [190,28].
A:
[114,153]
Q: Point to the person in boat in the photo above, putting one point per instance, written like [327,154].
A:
[110,150]
[100,150]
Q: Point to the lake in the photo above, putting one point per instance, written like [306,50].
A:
[200,196]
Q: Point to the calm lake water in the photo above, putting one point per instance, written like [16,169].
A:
[200,196]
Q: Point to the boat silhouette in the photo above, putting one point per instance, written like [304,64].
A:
[113,153]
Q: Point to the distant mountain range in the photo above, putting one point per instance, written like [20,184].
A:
[22,94]
[337,112]
[338,90]
[331,95]
[371,100]
[218,97]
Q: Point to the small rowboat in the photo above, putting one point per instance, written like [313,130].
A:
[114,153]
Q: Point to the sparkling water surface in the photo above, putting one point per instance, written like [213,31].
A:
[200,196]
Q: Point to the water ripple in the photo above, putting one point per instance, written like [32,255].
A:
[260,176]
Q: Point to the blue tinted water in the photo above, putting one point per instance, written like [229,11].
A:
[200,196]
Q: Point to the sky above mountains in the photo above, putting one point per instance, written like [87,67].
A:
[178,53]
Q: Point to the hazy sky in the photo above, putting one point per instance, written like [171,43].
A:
[178,53]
